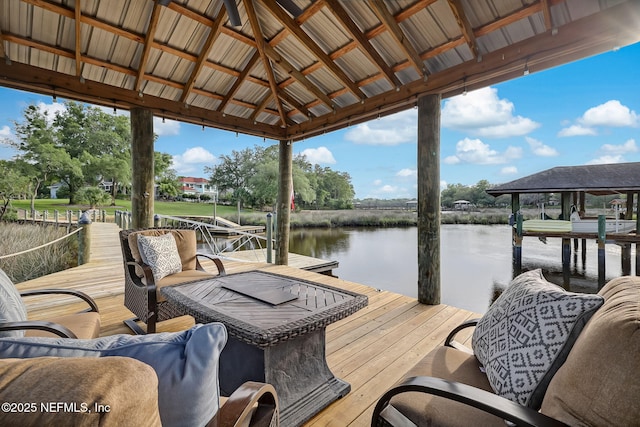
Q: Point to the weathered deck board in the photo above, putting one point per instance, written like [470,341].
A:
[371,349]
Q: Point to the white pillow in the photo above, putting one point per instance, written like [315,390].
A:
[527,333]
[161,254]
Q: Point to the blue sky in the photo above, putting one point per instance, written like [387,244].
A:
[584,112]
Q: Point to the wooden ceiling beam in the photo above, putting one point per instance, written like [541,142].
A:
[579,39]
[40,80]
[546,12]
[361,41]
[396,32]
[313,47]
[465,27]
[266,63]
[214,32]
[78,25]
[3,53]
[148,40]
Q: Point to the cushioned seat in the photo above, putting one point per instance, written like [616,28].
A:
[14,321]
[185,364]
[79,392]
[578,370]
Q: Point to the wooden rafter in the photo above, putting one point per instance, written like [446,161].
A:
[294,104]
[3,54]
[361,41]
[465,26]
[313,47]
[546,13]
[297,75]
[148,41]
[239,80]
[257,34]
[78,24]
[396,32]
[214,32]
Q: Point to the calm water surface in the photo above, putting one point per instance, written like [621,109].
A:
[475,259]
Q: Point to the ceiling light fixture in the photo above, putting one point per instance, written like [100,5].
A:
[464,88]
[526,68]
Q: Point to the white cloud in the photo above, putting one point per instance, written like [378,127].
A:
[509,170]
[628,147]
[5,132]
[577,130]
[540,149]
[477,152]
[481,112]
[408,173]
[443,185]
[395,129]
[611,113]
[606,159]
[377,182]
[169,127]
[388,189]
[320,155]
[192,161]
[51,110]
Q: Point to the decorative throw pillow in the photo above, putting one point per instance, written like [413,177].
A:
[12,308]
[186,364]
[161,254]
[527,333]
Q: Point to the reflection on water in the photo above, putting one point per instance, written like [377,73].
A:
[475,260]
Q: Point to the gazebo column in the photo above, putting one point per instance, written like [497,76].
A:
[429,199]
[285,185]
[142,156]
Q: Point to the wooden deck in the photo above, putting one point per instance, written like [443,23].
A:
[371,350]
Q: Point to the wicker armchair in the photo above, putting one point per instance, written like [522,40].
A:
[142,293]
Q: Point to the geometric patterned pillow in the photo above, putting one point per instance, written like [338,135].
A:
[527,333]
[161,254]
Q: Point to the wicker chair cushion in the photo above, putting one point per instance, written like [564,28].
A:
[185,241]
[161,254]
[12,308]
[428,410]
[84,325]
[76,381]
[186,364]
[598,384]
[527,333]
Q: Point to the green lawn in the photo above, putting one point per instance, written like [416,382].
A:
[163,208]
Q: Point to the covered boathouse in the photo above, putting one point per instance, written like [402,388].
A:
[572,183]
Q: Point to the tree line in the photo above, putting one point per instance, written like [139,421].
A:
[83,147]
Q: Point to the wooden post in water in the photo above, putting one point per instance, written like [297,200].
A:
[516,235]
[566,262]
[285,186]
[142,157]
[429,199]
[602,235]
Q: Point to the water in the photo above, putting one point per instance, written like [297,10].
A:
[475,260]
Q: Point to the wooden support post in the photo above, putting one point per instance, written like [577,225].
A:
[566,263]
[602,235]
[637,233]
[285,186]
[565,202]
[269,230]
[84,239]
[625,258]
[517,246]
[142,157]
[429,199]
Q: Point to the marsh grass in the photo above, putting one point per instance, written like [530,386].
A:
[50,259]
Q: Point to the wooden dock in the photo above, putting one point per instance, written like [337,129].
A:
[371,350]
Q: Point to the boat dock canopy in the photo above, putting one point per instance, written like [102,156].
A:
[593,179]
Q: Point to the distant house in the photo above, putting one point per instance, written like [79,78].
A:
[462,205]
[197,186]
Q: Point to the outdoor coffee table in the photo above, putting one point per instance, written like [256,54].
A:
[276,326]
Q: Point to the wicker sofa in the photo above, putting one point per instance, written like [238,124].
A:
[593,380]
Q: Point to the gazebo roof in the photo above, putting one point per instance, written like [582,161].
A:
[593,179]
[288,73]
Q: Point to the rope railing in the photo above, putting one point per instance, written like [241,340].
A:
[42,246]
